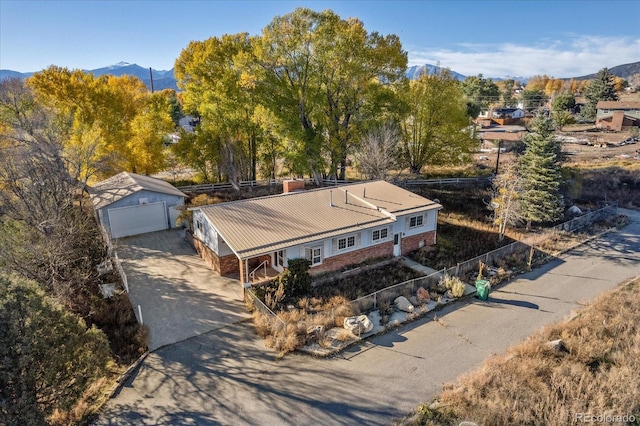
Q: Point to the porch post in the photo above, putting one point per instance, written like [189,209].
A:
[244,275]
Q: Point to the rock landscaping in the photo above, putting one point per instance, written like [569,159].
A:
[358,328]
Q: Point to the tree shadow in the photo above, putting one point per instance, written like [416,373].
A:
[228,377]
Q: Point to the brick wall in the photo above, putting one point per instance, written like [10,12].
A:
[412,243]
[357,256]
[225,265]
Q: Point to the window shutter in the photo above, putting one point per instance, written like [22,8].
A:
[358,240]
[407,223]
[307,253]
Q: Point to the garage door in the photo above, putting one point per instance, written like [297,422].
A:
[125,221]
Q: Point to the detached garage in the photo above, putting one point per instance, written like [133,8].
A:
[131,204]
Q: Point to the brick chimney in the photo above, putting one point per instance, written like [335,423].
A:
[292,185]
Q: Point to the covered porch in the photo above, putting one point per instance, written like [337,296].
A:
[263,268]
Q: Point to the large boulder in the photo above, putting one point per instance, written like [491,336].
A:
[358,324]
[422,295]
[403,304]
[575,210]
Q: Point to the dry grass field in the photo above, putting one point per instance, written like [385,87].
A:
[594,371]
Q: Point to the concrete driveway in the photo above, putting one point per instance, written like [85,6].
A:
[228,377]
[179,295]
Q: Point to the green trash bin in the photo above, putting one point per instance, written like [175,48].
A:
[482,289]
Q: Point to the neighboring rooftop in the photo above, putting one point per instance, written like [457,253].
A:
[261,225]
[618,104]
[504,136]
[124,184]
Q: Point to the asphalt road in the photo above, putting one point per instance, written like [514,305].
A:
[228,377]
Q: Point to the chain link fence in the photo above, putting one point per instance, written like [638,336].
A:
[254,303]
[518,251]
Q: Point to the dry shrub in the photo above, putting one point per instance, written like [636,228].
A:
[93,397]
[534,384]
[309,312]
[286,339]
[116,318]
[365,282]
[262,323]
[344,335]
[385,307]
[454,284]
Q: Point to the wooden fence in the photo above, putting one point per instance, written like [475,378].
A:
[208,187]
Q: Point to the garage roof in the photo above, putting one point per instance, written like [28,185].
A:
[124,184]
[259,225]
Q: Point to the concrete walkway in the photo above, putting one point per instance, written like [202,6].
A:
[228,377]
[418,267]
[179,295]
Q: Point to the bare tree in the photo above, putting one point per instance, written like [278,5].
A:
[505,201]
[379,151]
[45,233]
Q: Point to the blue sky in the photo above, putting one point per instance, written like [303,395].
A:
[496,38]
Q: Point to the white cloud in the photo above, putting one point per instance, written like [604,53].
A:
[576,56]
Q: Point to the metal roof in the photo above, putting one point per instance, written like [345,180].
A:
[262,225]
[618,105]
[124,184]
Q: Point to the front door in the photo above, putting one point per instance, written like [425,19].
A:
[396,245]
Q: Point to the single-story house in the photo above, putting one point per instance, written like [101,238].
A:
[500,116]
[513,113]
[331,227]
[130,204]
[616,115]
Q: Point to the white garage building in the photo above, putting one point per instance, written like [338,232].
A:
[130,204]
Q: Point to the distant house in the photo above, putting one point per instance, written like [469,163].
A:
[512,113]
[130,204]
[331,227]
[500,116]
[617,115]
[495,138]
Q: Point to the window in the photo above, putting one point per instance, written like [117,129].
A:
[379,234]
[199,224]
[346,242]
[279,258]
[314,255]
[416,221]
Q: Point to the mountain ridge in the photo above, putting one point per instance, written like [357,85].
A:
[165,79]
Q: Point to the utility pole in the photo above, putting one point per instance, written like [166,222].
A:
[151,77]
[498,160]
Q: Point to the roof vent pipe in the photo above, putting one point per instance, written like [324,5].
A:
[364,192]
[330,198]
[346,195]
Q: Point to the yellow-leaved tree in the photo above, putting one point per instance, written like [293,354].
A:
[148,132]
[109,121]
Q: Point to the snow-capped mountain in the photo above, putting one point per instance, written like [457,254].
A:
[162,79]
[417,70]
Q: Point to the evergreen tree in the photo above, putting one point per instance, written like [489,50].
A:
[48,357]
[603,88]
[539,169]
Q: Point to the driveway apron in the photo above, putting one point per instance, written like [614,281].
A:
[178,294]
